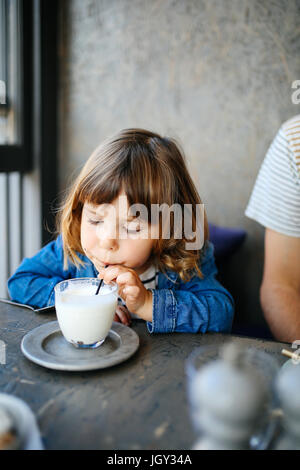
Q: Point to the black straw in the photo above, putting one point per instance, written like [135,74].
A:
[100,284]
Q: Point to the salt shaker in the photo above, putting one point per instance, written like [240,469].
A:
[9,438]
[18,426]
[231,398]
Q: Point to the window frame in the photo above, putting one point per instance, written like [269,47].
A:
[39,118]
[3,51]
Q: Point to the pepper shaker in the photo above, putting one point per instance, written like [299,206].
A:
[232,397]
[287,387]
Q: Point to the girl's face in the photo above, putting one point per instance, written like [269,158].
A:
[112,236]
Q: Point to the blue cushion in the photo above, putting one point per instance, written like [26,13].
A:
[226,240]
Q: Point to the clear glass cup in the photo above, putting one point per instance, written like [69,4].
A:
[85,318]
[265,366]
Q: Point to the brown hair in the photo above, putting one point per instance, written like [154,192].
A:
[150,169]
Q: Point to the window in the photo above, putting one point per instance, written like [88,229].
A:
[15,85]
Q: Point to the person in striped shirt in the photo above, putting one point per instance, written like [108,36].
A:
[275,204]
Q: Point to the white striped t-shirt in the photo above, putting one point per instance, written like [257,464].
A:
[149,278]
[275,199]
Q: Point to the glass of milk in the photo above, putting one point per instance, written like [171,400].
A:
[85,318]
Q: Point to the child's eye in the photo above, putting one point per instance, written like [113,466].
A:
[136,230]
[95,222]
[133,228]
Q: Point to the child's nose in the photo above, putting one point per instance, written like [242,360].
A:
[108,243]
[108,237]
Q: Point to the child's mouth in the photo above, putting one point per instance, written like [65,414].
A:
[103,264]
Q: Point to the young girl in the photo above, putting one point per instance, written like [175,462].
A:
[159,279]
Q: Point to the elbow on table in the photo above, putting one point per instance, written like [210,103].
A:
[14,289]
[17,287]
[221,313]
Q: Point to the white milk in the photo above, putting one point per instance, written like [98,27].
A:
[83,316]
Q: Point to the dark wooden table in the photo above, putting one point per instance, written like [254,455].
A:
[139,404]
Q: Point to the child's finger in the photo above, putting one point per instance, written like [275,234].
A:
[108,274]
[127,313]
[133,291]
[116,318]
[118,273]
[123,314]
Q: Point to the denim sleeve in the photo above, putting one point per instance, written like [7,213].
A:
[198,306]
[34,280]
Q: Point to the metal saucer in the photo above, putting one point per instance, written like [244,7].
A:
[47,347]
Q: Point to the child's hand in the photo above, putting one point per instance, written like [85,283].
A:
[137,298]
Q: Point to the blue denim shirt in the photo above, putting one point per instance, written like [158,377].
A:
[198,305]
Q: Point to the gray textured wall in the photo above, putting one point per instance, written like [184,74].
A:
[215,74]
